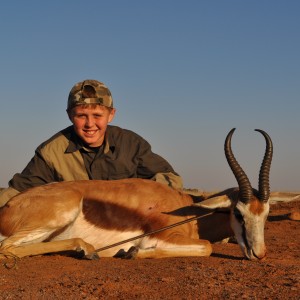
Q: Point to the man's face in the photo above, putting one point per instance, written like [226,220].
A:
[90,123]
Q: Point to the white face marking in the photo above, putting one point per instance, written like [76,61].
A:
[248,227]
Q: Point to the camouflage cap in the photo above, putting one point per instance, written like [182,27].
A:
[89,92]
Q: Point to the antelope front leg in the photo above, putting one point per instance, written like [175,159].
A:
[171,248]
[75,244]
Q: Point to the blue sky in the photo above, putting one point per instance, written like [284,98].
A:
[182,74]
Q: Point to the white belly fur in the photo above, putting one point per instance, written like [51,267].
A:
[99,237]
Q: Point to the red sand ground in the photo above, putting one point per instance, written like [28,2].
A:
[224,275]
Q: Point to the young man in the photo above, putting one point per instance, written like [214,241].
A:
[91,149]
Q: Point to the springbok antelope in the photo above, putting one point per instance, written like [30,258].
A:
[85,216]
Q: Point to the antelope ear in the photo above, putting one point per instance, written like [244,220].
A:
[215,202]
[283,197]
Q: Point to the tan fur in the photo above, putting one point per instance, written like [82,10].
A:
[97,212]
[88,215]
[256,207]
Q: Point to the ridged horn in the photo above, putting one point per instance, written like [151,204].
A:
[245,189]
[264,173]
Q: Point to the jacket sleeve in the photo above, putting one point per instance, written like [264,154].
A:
[155,167]
[36,173]
[171,179]
[6,195]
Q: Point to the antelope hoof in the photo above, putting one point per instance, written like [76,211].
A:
[92,256]
[81,254]
[131,253]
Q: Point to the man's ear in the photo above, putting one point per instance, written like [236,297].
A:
[69,112]
[111,115]
[215,202]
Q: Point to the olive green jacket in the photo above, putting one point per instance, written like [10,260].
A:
[63,157]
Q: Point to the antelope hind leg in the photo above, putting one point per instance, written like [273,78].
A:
[75,244]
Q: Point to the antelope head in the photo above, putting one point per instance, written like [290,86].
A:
[249,207]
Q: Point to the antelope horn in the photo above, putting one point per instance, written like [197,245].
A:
[245,189]
[264,173]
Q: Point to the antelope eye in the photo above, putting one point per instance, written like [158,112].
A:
[238,215]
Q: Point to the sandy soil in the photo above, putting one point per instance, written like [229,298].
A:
[224,275]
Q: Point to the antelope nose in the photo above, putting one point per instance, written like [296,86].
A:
[260,254]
